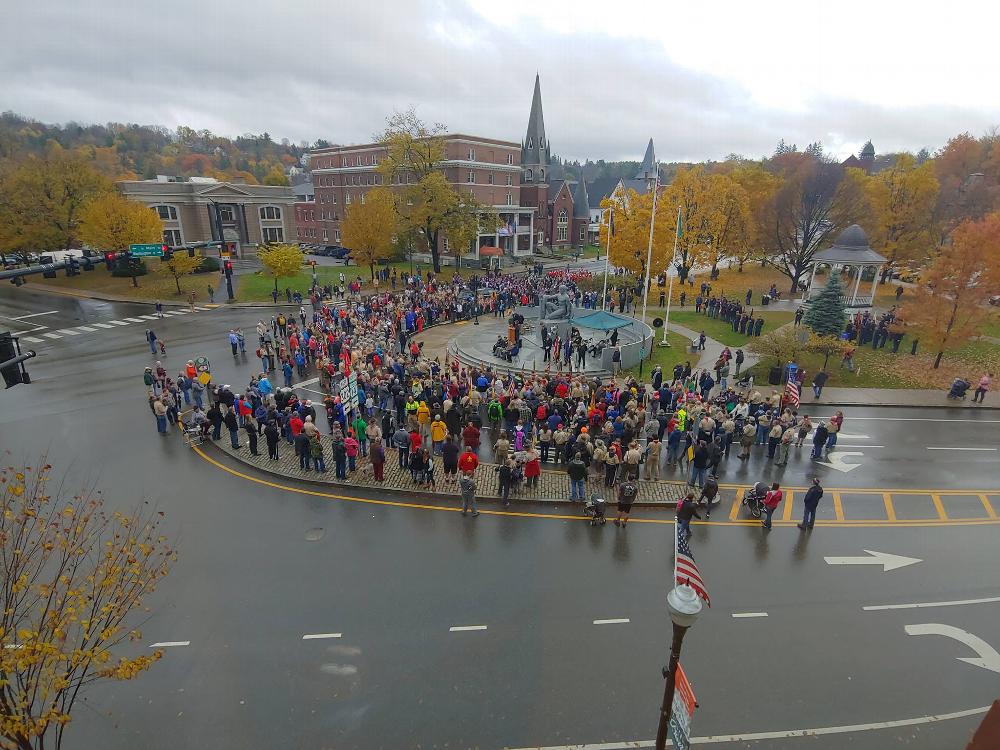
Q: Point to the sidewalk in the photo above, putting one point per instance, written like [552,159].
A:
[909,397]
[713,349]
[553,486]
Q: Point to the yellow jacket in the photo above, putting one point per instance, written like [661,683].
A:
[423,413]
[439,431]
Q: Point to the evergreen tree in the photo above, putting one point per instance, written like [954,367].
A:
[825,313]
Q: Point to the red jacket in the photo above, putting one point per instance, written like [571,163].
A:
[468,462]
[772,499]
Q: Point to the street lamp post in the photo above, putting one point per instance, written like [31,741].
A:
[222,243]
[684,607]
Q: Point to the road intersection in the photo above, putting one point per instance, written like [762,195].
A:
[302,615]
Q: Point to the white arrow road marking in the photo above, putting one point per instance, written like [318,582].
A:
[837,461]
[886,560]
[988,657]
[953,448]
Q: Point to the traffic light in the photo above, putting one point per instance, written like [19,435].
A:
[17,281]
[168,254]
[87,262]
[72,266]
[191,252]
[109,261]
[229,267]
[12,375]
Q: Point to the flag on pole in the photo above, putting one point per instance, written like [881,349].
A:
[792,392]
[680,223]
[685,570]
[611,220]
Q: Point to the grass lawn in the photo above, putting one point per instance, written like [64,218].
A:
[665,357]
[153,286]
[883,369]
[719,330]
[993,327]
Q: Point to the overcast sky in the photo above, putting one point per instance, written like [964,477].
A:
[702,79]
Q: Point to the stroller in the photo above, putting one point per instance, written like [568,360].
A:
[958,388]
[753,498]
[595,508]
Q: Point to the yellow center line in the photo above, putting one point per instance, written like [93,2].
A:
[734,520]
[734,511]
[939,506]
[786,513]
[838,507]
[890,510]
[987,506]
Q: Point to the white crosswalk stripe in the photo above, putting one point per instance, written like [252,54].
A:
[174,312]
[33,340]
[93,327]
[203,309]
[118,322]
[69,331]
[52,335]
[86,328]
[149,317]
[133,320]
[102,325]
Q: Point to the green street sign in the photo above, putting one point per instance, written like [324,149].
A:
[147,251]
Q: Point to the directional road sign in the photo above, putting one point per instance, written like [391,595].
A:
[147,251]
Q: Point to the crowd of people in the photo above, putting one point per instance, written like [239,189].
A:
[440,414]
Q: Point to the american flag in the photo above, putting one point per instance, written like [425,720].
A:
[510,388]
[792,392]
[685,570]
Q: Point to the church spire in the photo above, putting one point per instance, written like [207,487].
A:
[647,171]
[535,149]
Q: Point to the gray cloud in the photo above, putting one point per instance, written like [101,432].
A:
[306,70]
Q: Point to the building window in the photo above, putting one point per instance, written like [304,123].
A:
[336,235]
[378,179]
[491,177]
[472,177]
[326,235]
[172,237]
[270,213]
[167,213]
[446,245]
[541,238]
[562,226]
[583,232]
[273,234]
[527,175]
[347,199]
[510,158]
[374,160]
[510,179]
[362,199]
[226,213]
[510,199]
[541,175]
[334,201]
[472,154]
[531,143]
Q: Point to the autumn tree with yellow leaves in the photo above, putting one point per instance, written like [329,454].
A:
[113,222]
[950,305]
[629,245]
[75,575]
[369,227]
[180,264]
[281,260]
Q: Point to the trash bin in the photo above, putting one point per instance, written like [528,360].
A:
[774,376]
[765,300]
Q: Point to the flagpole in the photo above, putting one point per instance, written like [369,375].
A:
[607,258]
[649,250]
[670,292]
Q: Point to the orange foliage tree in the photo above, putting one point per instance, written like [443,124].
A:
[952,303]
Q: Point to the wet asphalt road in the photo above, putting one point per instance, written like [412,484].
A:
[393,581]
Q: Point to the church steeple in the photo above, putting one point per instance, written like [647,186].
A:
[647,170]
[535,148]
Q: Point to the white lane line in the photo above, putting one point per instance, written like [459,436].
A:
[133,320]
[118,322]
[169,644]
[316,636]
[52,335]
[35,315]
[304,383]
[86,328]
[102,325]
[463,628]
[749,614]
[855,445]
[33,340]
[780,735]
[69,332]
[959,449]
[615,621]
[203,309]
[923,605]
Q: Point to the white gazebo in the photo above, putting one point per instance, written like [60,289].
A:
[850,250]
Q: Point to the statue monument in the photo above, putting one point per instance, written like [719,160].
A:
[554,313]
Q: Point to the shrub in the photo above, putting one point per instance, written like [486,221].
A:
[208,265]
[122,270]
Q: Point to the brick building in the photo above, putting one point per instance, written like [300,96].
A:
[488,168]
[307,229]
[193,210]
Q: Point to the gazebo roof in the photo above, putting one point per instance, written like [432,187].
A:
[851,247]
[602,321]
